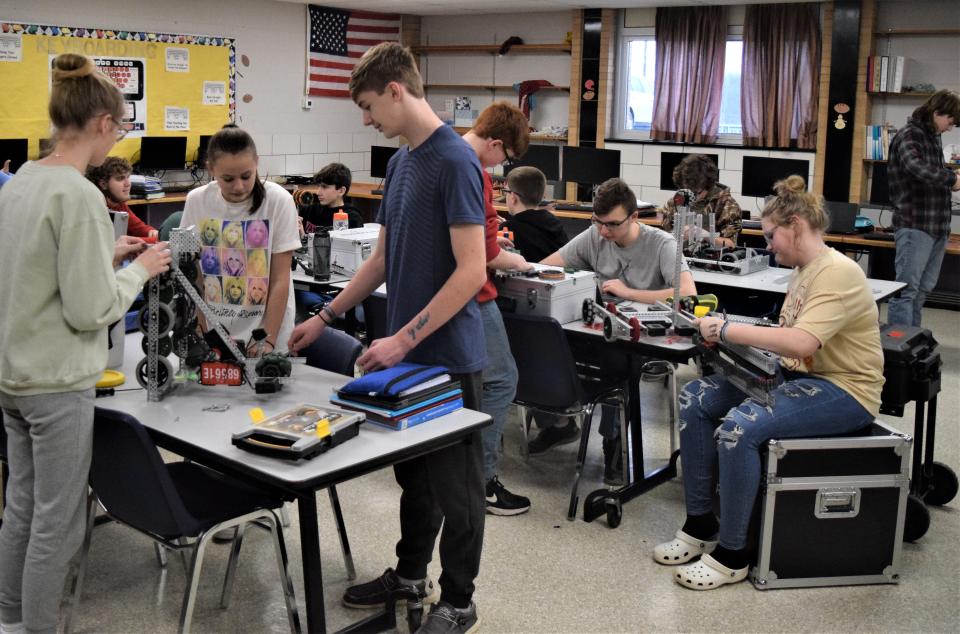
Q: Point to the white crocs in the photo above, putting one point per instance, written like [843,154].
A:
[708,574]
[681,549]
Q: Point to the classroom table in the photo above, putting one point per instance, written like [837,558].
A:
[188,423]
[776,279]
[670,348]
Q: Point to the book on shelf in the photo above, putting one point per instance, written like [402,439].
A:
[897,74]
[884,72]
[877,142]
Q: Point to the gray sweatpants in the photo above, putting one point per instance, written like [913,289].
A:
[49,443]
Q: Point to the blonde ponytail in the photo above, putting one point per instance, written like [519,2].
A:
[81,92]
[792,199]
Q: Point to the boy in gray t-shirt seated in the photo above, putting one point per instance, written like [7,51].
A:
[633,261]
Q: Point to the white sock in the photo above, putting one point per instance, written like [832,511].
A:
[12,628]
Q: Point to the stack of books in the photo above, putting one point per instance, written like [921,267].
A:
[145,187]
[877,142]
[885,73]
[402,396]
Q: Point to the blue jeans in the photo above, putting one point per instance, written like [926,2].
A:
[499,384]
[716,422]
[917,263]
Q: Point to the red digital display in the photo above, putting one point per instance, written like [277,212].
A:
[220,373]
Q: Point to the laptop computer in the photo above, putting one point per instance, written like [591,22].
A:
[843,216]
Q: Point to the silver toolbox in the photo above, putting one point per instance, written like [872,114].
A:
[833,510]
[349,248]
[559,299]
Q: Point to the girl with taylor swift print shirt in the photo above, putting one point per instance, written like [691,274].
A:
[248,229]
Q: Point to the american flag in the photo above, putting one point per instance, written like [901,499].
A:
[338,39]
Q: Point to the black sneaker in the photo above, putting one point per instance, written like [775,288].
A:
[446,619]
[655,371]
[373,594]
[555,435]
[502,502]
[612,462]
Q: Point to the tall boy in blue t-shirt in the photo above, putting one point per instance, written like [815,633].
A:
[431,254]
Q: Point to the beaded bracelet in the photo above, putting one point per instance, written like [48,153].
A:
[723,331]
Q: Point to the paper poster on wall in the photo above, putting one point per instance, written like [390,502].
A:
[11,47]
[214,93]
[176,119]
[127,74]
[178,60]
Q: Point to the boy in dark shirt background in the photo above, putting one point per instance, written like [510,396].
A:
[334,181]
[537,233]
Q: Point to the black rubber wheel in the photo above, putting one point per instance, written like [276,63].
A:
[165,320]
[942,485]
[587,311]
[614,513]
[164,346]
[608,328]
[729,263]
[164,374]
[917,521]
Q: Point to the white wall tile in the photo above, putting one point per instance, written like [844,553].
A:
[286,143]
[264,143]
[629,152]
[733,159]
[653,195]
[648,175]
[313,143]
[353,160]
[651,153]
[340,142]
[322,160]
[272,165]
[363,140]
[731,179]
[300,164]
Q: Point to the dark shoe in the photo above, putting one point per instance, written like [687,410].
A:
[373,594]
[446,619]
[502,502]
[555,435]
[612,462]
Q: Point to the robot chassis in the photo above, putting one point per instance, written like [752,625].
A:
[732,260]
[169,324]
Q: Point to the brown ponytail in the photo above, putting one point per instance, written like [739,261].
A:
[80,92]
[792,200]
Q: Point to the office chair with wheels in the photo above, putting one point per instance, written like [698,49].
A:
[551,381]
[179,505]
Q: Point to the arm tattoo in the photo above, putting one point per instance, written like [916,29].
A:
[424,318]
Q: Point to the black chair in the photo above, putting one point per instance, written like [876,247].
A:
[551,381]
[375,317]
[336,351]
[179,505]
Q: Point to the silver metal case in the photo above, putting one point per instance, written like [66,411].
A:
[833,510]
[559,299]
[349,248]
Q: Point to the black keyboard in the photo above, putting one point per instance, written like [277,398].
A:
[562,206]
[376,192]
[878,235]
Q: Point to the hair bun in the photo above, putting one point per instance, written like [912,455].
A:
[791,185]
[72,66]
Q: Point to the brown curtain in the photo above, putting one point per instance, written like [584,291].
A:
[691,46]
[781,65]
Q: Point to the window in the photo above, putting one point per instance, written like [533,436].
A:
[636,73]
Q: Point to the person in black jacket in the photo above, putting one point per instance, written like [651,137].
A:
[537,233]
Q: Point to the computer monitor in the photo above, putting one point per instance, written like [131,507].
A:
[202,149]
[15,150]
[761,172]
[669,162]
[879,185]
[163,152]
[379,157]
[545,158]
[590,165]
[843,216]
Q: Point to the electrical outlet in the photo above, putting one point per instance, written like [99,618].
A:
[307,103]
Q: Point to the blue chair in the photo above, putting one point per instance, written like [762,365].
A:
[551,381]
[179,505]
[334,351]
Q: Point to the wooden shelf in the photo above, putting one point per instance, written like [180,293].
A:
[874,160]
[910,93]
[917,32]
[493,49]
[487,87]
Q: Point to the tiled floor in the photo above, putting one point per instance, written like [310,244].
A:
[541,573]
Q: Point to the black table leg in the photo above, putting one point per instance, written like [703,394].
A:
[310,553]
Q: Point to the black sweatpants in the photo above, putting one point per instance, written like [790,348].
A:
[445,487]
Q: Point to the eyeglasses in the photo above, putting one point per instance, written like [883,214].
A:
[613,224]
[508,160]
[122,128]
[505,191]
[769,236]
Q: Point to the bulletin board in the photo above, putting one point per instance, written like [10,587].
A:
[175,85]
